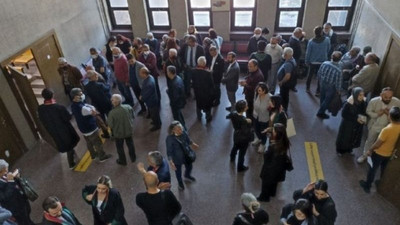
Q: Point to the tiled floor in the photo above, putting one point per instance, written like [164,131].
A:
[215,198]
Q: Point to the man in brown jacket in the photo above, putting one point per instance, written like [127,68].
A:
[71,76]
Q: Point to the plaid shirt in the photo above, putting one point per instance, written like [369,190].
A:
[330,73]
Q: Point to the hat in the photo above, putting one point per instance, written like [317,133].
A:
[75,91]
[250,202]
[3,164]
[62,60]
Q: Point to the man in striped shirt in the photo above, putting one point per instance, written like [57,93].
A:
[330,78]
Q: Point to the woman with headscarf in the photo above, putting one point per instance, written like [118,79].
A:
[353,118]
[253,214]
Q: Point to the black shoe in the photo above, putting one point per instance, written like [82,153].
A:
[232,160]
[105,135]
[120,163]
[181,187]
[133,160]
[323,116]
[242,169]
[142,112]
[365,186]
[317,94]
[228,117]
[148,116]
[294,89]
[262,199]
[72,167]
[105,157]
[208,118]
[228,108]
[190,178]
[155,128]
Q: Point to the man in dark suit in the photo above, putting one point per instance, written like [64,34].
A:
[99,94]
[294,43]
[150,97]
[135,80]
[252,45]
[328,32]
[231,79]
[216,64]
[55,213]
[189,54]
[176,94]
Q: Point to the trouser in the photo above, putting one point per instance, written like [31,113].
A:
[206,111]
[71,157]
[242,147]
[284,93]
[23,214]
[268,189]
[377,161]
[187,77]
[155,115]
[67,90]
[177,115]
[312,69]
[232,99]
[273,77]
[100,121]
[126,92]
[119,143]
[217,92]
[94,145]
[371,138]
[157,88]
[258,128]
[136,91]
[328,91]
[178,171]
[250,107]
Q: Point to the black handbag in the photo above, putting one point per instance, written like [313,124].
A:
[27,188]
[190,154]
[289,163]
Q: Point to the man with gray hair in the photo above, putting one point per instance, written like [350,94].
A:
[203,87]
[159,165]
[252,45]
[120,120]
[286,77]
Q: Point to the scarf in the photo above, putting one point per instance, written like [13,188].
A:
[49,101]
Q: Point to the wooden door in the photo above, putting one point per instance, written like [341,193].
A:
[31,103]
[46,53]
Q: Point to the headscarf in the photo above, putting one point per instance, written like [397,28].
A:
[355,93]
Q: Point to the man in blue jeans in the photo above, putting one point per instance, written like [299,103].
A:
[330,78]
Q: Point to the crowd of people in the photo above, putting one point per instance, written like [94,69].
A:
[259,119]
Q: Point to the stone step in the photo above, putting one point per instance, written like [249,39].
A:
[38,83]
[37,92]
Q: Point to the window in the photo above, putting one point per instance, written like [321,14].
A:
[158,13]
[340,13]
[289,14]
[200,14]
[243,14]
[119,14]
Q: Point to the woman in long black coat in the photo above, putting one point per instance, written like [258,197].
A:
[351,126]
[274,167]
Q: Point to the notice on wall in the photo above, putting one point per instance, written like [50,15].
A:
[220,5]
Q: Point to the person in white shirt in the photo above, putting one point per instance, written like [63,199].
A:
[275,51]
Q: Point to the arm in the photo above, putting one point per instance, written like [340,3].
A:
[173,204]
[119,210]
[4,214]
[375,146]
[327,216]
[371,110]
[308,52]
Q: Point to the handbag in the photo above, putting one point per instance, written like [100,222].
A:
[289,163]
[290,129]
[27,188]
[181,219]
[190,154]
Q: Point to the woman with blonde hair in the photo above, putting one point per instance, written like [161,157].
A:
[253,214]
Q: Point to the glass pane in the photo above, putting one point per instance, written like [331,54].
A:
[122,17]
[288,18]
[244,3]
[201,18]
[337,17]
[158,3]
[160,18]
[119,3]
[200,3]
[339,3]
[290,3]
[243,18]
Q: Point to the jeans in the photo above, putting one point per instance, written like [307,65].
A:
[258,128]
[94,145]
[242,147]
[119,143]
[155,115]
[178,172]
[284,93]
[232,99]
[177,115]
[377,161]
[312,69]
[126,92]
[328,91]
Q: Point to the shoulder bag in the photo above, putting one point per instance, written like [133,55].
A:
[190,154]
[27,188]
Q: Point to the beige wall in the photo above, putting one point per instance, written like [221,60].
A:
[314,13]
[139,19]
[179,16]
[77,25]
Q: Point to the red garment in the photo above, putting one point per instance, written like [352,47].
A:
[50,101]
[121,69]
[252,81]
[150,62]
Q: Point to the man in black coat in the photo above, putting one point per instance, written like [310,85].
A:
[252,45]
[99,93]
[264,60]
[294,43]
[216,64]
[176,94]
[56,120]
[231,79]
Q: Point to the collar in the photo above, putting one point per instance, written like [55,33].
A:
[294,37]
[50,101]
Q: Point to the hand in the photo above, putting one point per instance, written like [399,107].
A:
[173,167]
[140,97]
[309,187]
[89,197]
[94,112]
[315,212]
[127,84]
[101,69]
[242,83]
[195,146]
[358,67]
[248,120]
[369,153]
[164,185]
[386,111]
[360,121]
[268,130]
[140,167]
[10,176]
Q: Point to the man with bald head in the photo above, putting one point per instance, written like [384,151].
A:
[159,206]
[120,120]
[368,75]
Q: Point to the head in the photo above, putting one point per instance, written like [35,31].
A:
[287,53]
[358,94]
[265,31]
[172,33]
[249,202]
[366,50]
[276,102]
[274,40]
[92,75]
[120,39]
[191,40]
[252,65]
[262,89]
[302,209]
[112,41]
[165,37]
[354,51]
[150,35]
[62,62]
[298,32]
[394,114]
[173,53]
[116,100]
[213,51]
[261,46]
[77,95]
[171,72]
[336,56]
[297,194]
[321,190]
[131,59]
[386,95]
[103,184]
[137,42]
[150,180]
[171,43]
[146,49]
[318,31]
[257,32]
[93,53]
[231,57]
[201,61]
[116,52]
[144,72]
[191,29]
[52,206]
[47,94]
[175,128]
[327,28]
[3,167]
[280,136]
[207,42]
[241,106]
[371,58]
[212,33]
[155,159]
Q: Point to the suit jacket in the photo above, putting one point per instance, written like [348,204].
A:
[183,54]
[150,62]
[137,66]
[218,69]
[231,77]
[13,199]
[149,93]
[295,45]
[100,95]
[50,220]
[74,76]
[252,45]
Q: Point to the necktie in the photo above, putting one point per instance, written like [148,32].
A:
[191,57]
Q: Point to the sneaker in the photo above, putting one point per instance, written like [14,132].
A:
[256,141]
[361,159]
[261,149]
[242,169]
[228,108]
[105,157]
[190,178]
[322,116]
[365,186]
[119,162]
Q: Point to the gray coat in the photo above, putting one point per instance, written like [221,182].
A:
[231,77]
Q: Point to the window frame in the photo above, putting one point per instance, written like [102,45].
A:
[299,18]
[111,10]
[191,17]
[253,19]
[151,20]
[350,13]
